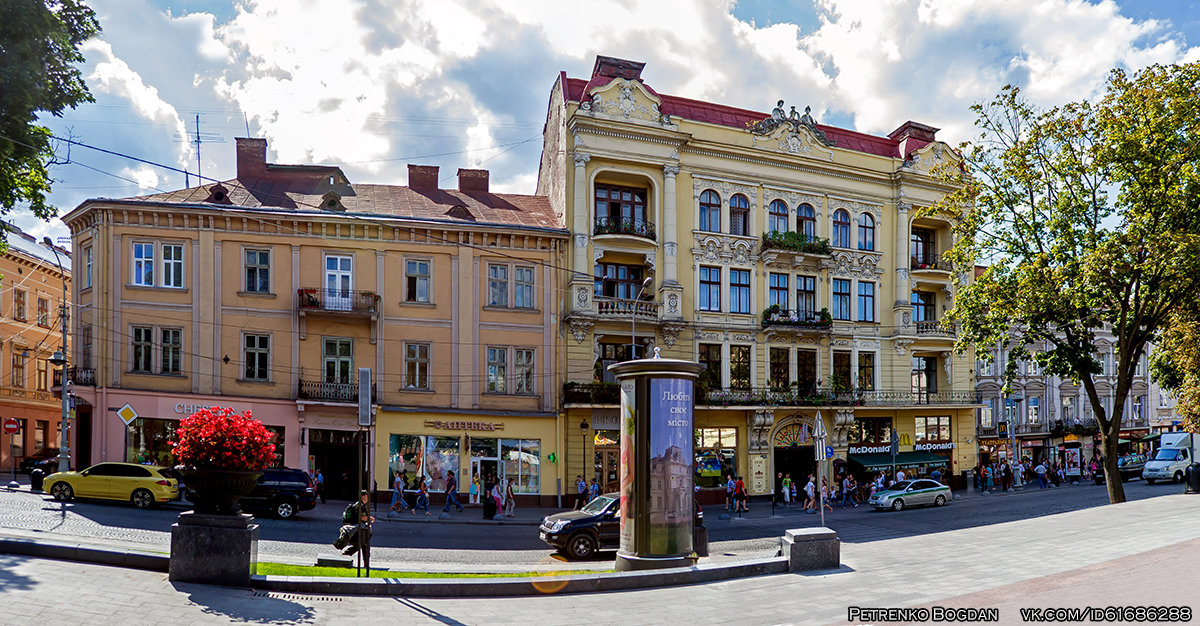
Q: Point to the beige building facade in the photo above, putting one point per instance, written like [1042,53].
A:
[783,254]
[269,291]
[31,308]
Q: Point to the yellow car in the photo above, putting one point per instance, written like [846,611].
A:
[143,485]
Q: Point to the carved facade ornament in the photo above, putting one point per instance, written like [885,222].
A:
[741,252]
[670,248]
[842,264]
[670,333]
[581,297]
[725,189]
[902,346]
[741,337]
[947,360]
[580,329]
[673,304]
[627,99]
[906,319]
[700,334]
[760,425]
[581,240]
[792,121]
[671,171]
[581,159]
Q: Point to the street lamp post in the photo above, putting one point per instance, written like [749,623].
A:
[634,314]
[1012,428]
[59,359]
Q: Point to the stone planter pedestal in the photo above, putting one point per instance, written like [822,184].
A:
[214,549]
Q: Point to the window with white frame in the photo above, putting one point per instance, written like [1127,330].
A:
[143,349]
[18,367]
[172,351]
[1139,408]
[497,285]
[172,255]
[497,369]
[43,312]
[524,378]
[258,271]
[1034,411]
[41,376]
[1139,369]
[416,366]
[987,413]
[1068,409]
[416,280]
[19,305]
[256,356]
[143,263]
[523,288]
[87,267]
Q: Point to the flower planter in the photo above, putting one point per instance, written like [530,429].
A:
[216,491]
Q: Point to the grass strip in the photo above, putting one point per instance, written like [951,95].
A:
[285,569]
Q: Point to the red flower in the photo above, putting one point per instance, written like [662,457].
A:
[218,437]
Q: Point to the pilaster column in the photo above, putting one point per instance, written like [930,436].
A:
[902,265]
[668,234]
[582,209]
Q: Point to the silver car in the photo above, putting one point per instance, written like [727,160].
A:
[911,493]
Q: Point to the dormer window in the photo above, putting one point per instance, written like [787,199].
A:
[218,194]
[332,202]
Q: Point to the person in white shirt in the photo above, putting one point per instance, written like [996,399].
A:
[899,475]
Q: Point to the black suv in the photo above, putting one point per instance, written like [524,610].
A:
[45,459]
[283,492]
[597,526]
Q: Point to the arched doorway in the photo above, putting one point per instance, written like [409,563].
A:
[792,449]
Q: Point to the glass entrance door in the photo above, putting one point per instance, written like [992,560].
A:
[484,468]
[607,473]
[339,271]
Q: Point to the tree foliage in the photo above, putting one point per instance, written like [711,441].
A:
[39,51]
[1086,216]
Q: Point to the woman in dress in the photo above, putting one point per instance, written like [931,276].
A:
[474,499]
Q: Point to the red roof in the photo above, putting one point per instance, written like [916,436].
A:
[734,117]
[394,201]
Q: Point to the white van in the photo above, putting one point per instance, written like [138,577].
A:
[1171,460]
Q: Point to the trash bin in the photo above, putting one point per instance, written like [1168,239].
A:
[1191,479]
[700,540]
[36,477]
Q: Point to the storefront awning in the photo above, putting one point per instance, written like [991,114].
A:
[1151,437]
[903,459]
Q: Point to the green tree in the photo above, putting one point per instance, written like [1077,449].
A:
[1088,218]
[1175,363]
[39,50]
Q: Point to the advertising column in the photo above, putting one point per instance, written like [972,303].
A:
[657,399]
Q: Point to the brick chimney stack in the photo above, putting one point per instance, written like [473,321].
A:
[251,157]
[472,181]
[423,176]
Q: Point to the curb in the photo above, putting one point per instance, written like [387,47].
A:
[519,586]
[46,549]
[433,519]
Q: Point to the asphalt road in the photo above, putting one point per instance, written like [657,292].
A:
[461,546]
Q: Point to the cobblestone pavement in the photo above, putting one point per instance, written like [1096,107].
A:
[426,543]
[1138,552]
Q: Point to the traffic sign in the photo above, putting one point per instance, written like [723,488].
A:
[829,452]
[12,426]
[127,414]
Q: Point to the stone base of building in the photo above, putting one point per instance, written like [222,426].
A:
[214,549]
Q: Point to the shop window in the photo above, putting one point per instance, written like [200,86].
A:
[279,440]
[424,456]
[779,367]
[870,431]
[149,442]
[932,429]
[716,456]
[40,433]
[866,371]
[739,367]
[520,460]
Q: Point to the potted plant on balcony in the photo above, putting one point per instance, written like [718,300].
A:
[221,455]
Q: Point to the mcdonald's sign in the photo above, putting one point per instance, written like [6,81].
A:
[906,439]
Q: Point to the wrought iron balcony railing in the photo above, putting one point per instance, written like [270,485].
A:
[330,391]
[621,308]
[591,393]
[784,396]
[336,300]
[624,226]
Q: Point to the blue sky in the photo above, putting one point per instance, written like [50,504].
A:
[372,85]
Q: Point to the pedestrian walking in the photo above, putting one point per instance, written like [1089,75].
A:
[810,496]
[848,490]
[498,496]
[825,495]
[399,484]
[581,488]
[319,485]
[739,496]
[593,490]
[422,495]
[451,493]
[510,499]
[730,484]
[787,490]
[1040,470]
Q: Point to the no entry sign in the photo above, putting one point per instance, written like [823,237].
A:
[11,426]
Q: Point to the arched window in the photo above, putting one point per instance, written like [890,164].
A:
[841,229]
[739,215]
[806,221]
[777,220]
[866,232]
[710,211]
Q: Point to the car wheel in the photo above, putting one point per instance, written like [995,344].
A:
[285,509]
[581,546]
[939,501]
[1177,478]
[1149,481]
[897,505]
[142,499]
[62,492]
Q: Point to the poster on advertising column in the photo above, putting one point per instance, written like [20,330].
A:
[1072,458]
[670,466]
[628,437]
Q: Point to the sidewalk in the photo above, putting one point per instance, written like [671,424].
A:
[1052,558]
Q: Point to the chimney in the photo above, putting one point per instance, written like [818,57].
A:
[423,176]
[251,158]
[910,131]
[472,181]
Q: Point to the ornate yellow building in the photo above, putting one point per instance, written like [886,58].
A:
[781,253]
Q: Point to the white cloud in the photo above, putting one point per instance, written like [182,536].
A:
[146,177]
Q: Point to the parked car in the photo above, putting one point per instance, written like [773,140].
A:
[908,493]
[597,526]
[1131,466]
[283,492]
[1170,462]
[143,485]
[45,459]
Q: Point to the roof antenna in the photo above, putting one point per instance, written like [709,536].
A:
[247,120]
[198,138]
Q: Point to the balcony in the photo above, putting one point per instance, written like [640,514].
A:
[624,226]
[625,310]
[591,393]
[930,267]
[985,431]
[935,329]
[771,396]
[337,301]
[80,376]
[322,391]
[778,318]
[793,247]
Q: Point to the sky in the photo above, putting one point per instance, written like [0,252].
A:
[372,85]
